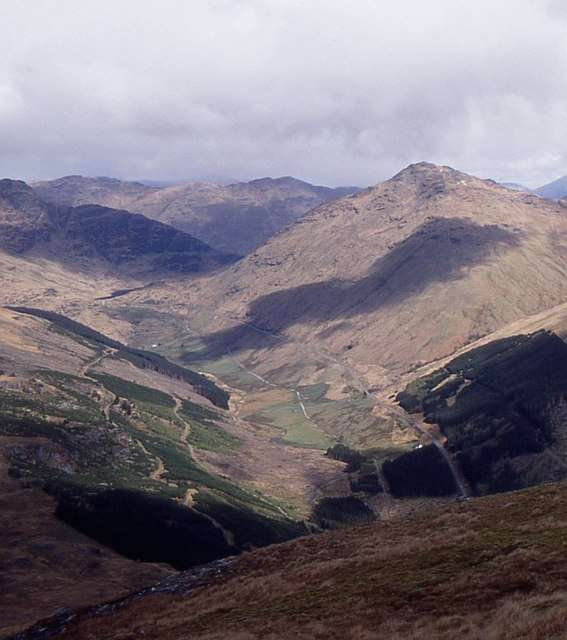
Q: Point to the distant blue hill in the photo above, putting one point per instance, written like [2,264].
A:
[556,189]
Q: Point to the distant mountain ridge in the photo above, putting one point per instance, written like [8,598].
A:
[515,186]
[235,219]
[117,237]
[556,189]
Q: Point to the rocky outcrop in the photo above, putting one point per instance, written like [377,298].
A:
[24,218]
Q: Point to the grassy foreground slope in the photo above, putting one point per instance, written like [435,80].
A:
[492,568]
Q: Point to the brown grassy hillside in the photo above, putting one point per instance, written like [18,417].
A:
[46,565]
[403,273]
[81,419]
[492,568]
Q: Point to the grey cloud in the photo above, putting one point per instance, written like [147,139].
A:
[337,92]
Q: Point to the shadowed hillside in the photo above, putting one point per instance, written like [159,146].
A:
[502,408]
[402,273]
[406,270]
[95,233]
[311,335]
[475,570]
[234,219]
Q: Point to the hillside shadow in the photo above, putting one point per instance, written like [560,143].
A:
[440,250]
[103,240]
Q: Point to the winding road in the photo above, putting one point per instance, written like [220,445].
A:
[458,477]
[279,386]
[461,484]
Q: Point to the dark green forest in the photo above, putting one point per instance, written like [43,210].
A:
[138,357]
[496,406]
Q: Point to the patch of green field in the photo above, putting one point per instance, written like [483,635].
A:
[313,392]
[79,450]
[350,419]
[182,468]
[204,432]
[193,411]
[353,421]
[223,366]
[75,388]
[247,524]
[211,437]
[135,391]
[298,431]
[117,479]
[137,314]
[193,351]
[157,425]
[38,402]
[138,357]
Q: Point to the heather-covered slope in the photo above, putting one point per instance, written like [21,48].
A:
[492,569]
[312,334]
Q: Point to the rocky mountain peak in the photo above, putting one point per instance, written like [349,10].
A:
[431,179]
[75,190]
[24,218]
[418,255]
[16,193]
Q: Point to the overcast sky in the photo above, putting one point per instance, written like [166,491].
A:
[333,92]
